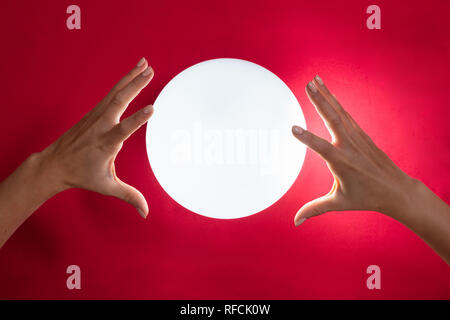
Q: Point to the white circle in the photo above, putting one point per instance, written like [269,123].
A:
[220,141]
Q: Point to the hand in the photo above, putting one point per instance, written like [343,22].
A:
[83,157]
[364,176]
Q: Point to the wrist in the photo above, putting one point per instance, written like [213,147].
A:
[411,191]
[47,175]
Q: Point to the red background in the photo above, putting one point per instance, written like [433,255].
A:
[394,81]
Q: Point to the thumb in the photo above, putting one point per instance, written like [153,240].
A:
[131,195]
[315,208]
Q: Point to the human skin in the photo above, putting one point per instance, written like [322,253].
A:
[365,178]
[83,157]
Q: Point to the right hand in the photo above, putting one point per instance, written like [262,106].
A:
[364,176]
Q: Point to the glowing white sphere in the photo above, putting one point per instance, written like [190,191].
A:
[220,141]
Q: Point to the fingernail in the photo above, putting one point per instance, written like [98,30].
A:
[148,109]
[312,87]
[319,80]
[141,213]
[297,130]
[147,71]
[299,222]
[141,62]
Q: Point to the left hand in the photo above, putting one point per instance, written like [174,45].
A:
[83,157]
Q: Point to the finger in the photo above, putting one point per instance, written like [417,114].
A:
[331,98]
[325,149]
[140,66]
[123,130]
[98,111]
[315,208]
[121,99]
[329,115]
[131,195]
[137,69]
[346,118]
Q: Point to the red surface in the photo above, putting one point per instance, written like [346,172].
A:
[394,81]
